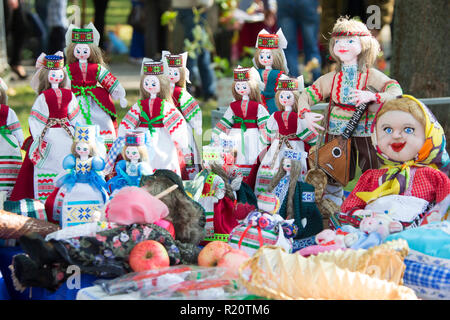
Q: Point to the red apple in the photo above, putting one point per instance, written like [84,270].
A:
[212,253]
[231,261]
[148,255]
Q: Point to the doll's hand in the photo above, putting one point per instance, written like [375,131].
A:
[311,119]
[236,183]
[362,96]
[123,102]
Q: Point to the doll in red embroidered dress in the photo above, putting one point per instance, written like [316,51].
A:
[412,187]
[11,140]
[86,69]
[52,119]
[178,75]
[354,50]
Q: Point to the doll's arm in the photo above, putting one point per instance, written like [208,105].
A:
[191,111]
[69,162]
[130,121]
[306,128]
[263,118]
[223,126]
[366,183]
[13,124]
[318,91]
[388,88]
[108,81]
[98,164]
[175,123]
[75,115]
[270,130]
[38,117]
[219,187]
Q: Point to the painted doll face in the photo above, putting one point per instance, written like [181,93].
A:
[347,49]
[133,153]
[286,98]
[287,165]
[242,87]
[265,57]
[82,51]
[151,84]
[56,76]
[82,149]
[400,136]
[174,75]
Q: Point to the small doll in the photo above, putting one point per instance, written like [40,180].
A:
[52,119]
[412,186]
[11,140]
[134,165]
[104,253]
[355,50]
[178,76]
[296,197]
[270,61]
[86,69]
[81,191]
[244,120]
[286,131]
[166,132]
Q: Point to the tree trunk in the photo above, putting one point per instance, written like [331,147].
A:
[420,57]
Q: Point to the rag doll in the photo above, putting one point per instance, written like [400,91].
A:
[355,50]
[178,75]
[285,131]
[154,114]
[11,140]
[296,197]
[52,119]
[134,163]
[186,215]
[103,254]
[270,61]
[92,83]
[412,186]
[244,120]
[81,191]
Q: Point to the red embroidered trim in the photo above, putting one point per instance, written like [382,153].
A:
[316,91]
[108,81]
[338,88]
[302,112]
[378,97]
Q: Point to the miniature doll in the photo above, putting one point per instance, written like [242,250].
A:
[244,120]
[164,126]
[178,76]
[286,131]
[11,140]
[270,61]
[81,191]
[52,119]
[354,50]
[134,165]
[105,253]
[296,197]
[86,69]
[412,187]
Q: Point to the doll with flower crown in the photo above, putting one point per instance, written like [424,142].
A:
[52,119]
[166,132]
[353,83]
[92,83]
[82,190]
[134,164]
[244,121]
[178,75]
[412,187]
[11,140]
[270,61]
[285,131]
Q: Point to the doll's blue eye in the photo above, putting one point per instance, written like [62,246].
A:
[350,41]
[268,56]
[388,130]
[409,130]
[261,56]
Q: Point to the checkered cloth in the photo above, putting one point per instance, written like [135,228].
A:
[113,153]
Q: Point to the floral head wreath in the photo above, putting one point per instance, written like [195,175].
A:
[177,61]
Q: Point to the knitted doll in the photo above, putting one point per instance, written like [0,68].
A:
[104,253]
[134,165]
[86,69]
[166,132]
[244,120]
[11,140]
[178,76]
[286,131]
[354,50]
[53,116]
[82,191]
[412,186]
[296,197]
[270,61]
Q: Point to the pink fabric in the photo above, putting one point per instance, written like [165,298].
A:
[313,250]
[166,225]
[135,205]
